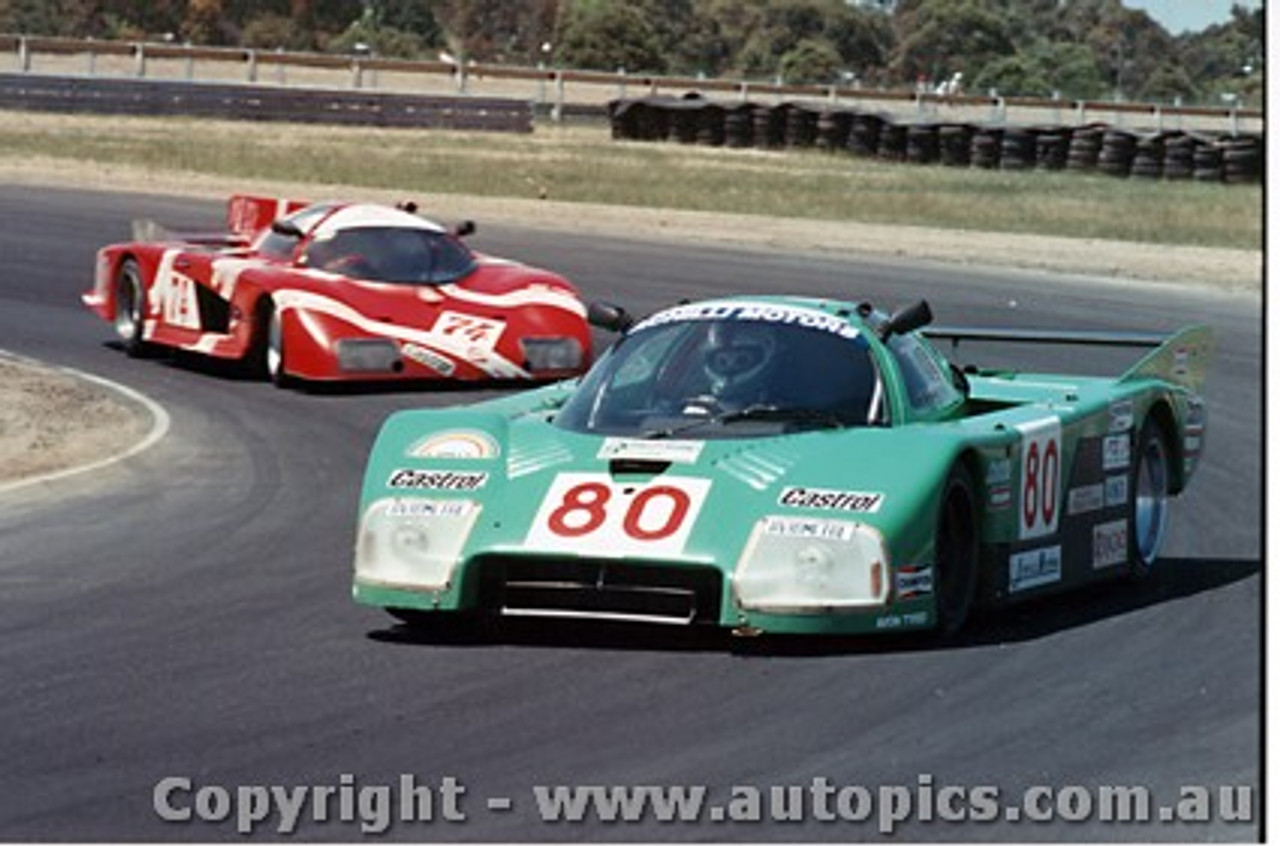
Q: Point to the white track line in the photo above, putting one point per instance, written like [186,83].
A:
[159,424]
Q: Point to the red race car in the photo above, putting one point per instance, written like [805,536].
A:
[342,291]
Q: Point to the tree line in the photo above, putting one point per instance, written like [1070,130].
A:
[1075,49]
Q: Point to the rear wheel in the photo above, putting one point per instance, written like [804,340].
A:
[955,569]
[129,302]
[1148,499]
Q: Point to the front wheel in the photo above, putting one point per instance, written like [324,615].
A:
[269,343]
[130,300]
[1148,500]
[955,569]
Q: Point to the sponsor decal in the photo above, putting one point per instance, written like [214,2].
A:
[910,582]
[677,452]
[460,443]
[802,527]
[1121,416]
[1110,544]
[429,508]
[859,502]
[173,295]
[590,513]
[1084,499]
[1117,490]
[899,621]
[999,483]
[1115,452]
[1181,361]
[428,358]
[1195,415]
[1040,486]
[436,480]
[1035,568]
[764,312]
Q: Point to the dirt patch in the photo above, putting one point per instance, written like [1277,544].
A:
[52,419]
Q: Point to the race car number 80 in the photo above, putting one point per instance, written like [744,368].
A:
[591,513]
[1041,487]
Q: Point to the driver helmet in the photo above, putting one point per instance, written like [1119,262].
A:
[737,357]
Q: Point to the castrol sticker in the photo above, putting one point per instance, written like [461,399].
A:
[594,514]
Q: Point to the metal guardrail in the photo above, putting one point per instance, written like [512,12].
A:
[240,101]
[563,92]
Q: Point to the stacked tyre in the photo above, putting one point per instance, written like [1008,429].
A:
[833,130]
[922,143]
[988,142]
[864,134]
[1052,149]
[1208,163]
[769,126]
[1118,150]
[802,126]
[893,142]
[955,141]
[1085,148]
[739,125]
[1242,160]
[1148,157]
[1179,155]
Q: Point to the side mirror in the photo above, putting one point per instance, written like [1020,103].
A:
[287,228]
[465,228]
[608,316]
[907,319]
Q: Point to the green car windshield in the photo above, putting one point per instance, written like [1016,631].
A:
[727,378]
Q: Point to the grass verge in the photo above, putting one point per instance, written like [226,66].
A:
[581,164]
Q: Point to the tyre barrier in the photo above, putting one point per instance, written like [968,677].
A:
[1172,155]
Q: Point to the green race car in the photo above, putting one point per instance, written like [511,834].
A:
[778,464]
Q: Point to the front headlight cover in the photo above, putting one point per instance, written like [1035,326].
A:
[551,353]
[413,543]
[367,355]
[803,565]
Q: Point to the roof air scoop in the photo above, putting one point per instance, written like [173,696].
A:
[906,319]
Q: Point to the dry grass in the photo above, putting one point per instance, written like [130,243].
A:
[581,164]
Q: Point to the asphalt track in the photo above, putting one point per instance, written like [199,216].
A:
[186,612]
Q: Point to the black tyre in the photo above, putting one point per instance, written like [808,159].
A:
[1148,499]
[130,300]
[268,356]
[955,570]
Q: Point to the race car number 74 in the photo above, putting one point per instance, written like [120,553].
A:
[592,513]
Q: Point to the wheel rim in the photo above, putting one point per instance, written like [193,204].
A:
[275,345]
[1150,510]
[129,305]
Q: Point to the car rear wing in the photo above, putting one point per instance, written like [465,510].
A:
[1181,358]
[247,215]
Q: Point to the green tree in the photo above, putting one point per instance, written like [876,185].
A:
[1019,75]
[937,38]
[607,35]
[812,61]
[1169,83]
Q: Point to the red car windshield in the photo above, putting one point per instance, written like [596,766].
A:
[391,254]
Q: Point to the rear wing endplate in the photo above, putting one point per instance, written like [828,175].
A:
[1181,358]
